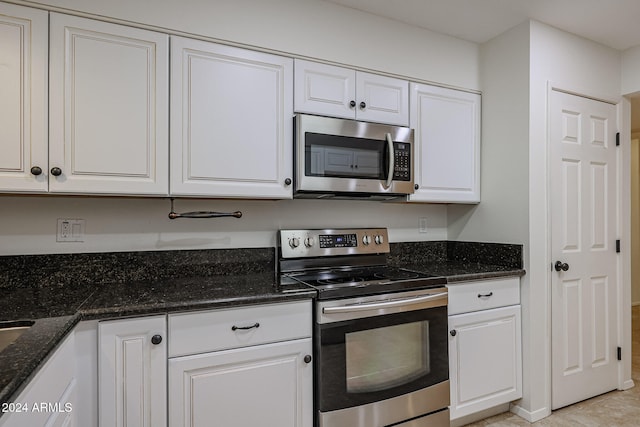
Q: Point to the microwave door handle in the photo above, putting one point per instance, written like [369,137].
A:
[392,158]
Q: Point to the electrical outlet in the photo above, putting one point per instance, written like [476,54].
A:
[70,230]
[422,225]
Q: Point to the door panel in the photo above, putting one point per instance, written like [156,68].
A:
[583,231]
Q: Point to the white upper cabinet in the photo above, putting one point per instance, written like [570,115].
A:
[108,130]
[23,100]
[231,121]
[340,92]
[447,144]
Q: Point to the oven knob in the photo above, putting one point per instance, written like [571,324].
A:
[366,240]
[294,242]
[308,242]
[379,239]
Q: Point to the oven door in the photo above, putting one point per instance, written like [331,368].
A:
[382,359]
[347,156]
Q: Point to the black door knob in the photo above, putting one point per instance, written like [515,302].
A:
[560,266]
[416,186]
[363,105]
[307,359]
[287,181]
[36,170]
[352,104]
[56,171]
[453,332]
[156,339]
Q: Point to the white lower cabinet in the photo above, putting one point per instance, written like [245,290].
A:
[240,367]
[485,357]
[50,398]
[265,385]
[132,372]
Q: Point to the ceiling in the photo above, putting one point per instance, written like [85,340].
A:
[613,23]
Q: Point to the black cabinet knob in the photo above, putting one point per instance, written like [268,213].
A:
[352,104]
[36,170]
[287,181]
[363,105]
[561,266]
[56,171]
[416,186]
[453,332]
[307,359]
[156,339]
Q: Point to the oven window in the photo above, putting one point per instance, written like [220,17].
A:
[383,358]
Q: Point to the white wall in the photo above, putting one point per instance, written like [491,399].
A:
[311,28]
[28,224]
[631,71]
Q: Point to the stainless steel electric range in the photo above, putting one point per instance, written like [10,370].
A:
[380,332]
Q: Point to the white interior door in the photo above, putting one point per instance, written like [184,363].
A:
[583,170]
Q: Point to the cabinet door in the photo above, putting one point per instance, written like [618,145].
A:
[265,385]
[132,373]
[382,99]
[485,359]
[325,90]
[23,100]
[447,144]
[231,121]
[108,107]
[50,397]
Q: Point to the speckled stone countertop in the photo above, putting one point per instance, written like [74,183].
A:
[58,291]
[459,261]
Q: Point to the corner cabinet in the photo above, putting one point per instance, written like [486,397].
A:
[447,144]
[342,92]
[132,372]
[108,108]
[231,122]
[245,366]
[23,104]
[485,356]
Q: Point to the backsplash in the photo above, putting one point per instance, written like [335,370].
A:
[59,270]
[497,254]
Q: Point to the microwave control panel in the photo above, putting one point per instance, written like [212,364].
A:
[402,161]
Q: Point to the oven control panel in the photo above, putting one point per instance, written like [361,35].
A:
[328,242]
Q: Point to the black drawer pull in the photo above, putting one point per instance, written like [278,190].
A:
[244,328]
[485,295]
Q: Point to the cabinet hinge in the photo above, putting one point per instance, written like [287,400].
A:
[617,139]
[619,353]
[618,246]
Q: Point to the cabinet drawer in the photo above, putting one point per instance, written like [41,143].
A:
[465,297]
[205,331]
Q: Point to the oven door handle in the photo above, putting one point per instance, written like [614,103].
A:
[392,160]
[384,304]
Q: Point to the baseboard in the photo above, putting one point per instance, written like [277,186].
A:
[627,385]
[531,416]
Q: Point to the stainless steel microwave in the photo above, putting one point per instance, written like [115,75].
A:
[338,158]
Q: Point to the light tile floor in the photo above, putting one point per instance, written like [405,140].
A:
[614,409]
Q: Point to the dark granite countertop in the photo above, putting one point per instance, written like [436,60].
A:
[57,306]
[58,291]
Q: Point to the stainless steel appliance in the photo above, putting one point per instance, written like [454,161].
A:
[350,159]
[380,332]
